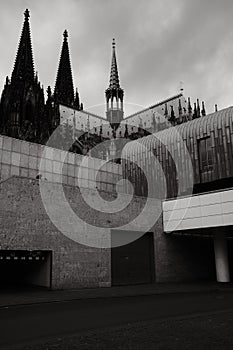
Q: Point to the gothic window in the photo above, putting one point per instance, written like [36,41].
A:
[28,112]
[205,154]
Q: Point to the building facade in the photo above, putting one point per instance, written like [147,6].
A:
[177,158]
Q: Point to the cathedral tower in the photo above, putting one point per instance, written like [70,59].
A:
[22,101]
[114,94]
[64,88]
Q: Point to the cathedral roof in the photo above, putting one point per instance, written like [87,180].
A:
[170,99]
[24,68]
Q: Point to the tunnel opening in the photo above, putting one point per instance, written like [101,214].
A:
[25,269]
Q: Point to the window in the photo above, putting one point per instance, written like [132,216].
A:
[205,154]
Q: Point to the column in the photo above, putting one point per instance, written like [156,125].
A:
[221,257]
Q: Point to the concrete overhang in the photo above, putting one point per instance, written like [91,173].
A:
[198,212]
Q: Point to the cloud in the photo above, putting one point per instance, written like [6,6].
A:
[159,44]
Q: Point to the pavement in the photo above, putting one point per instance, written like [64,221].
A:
[27,296]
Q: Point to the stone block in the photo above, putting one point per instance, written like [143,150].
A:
[33,149]
[15,158]
[49,165]
[6,157]
[57,178]
[65,169]
[64,179]
[71,171]
[23,172]
[57,155]
[16,145]
[57,167]
[7,143]
[24,160]
[5,171]
[32,173]
[33,163]
[70,158]
[71,180]
[14,170]
[24,147]
[48,153]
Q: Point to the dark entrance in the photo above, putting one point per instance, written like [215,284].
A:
[133,263]
[25,268]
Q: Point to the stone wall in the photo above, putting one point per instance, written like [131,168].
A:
[24,224]
[27,159]
[183,258]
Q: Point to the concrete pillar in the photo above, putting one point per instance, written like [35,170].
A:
[221,257]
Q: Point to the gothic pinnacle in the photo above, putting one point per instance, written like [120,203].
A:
[26,14]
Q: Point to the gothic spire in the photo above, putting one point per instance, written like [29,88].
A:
[76,100]
[114,94]
[203,111]
[64,88]
[114,77]
[180,108]
[166,111]
[198,109]
[190,111]
[24,68]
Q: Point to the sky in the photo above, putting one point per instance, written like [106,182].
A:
[159,44]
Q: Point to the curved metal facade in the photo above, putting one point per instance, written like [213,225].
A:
[197,154]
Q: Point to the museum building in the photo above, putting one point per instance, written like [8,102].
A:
[177,158]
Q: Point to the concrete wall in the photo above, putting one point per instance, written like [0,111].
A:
[24,159]
[212,209]
[24,224]
[180,258]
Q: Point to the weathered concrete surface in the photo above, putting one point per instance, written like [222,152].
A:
[24,224]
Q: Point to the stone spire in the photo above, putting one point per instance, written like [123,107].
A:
[22,103]
[180,111]
[76,100]
[64,88]
[114,76]
[166,111]
[198,109]
[190,110]
[195,111]
[114,94]
[24,68]
[203,111]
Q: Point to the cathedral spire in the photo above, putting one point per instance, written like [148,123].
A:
[114,94]
[114,77]
[64,88]
[24,68]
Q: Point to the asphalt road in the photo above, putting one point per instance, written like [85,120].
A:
[40,322]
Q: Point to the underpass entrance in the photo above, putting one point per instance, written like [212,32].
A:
[19,268]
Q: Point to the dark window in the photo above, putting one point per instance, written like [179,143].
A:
[205,154]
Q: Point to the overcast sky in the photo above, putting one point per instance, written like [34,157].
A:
[159,43]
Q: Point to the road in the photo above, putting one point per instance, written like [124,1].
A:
[40,322]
